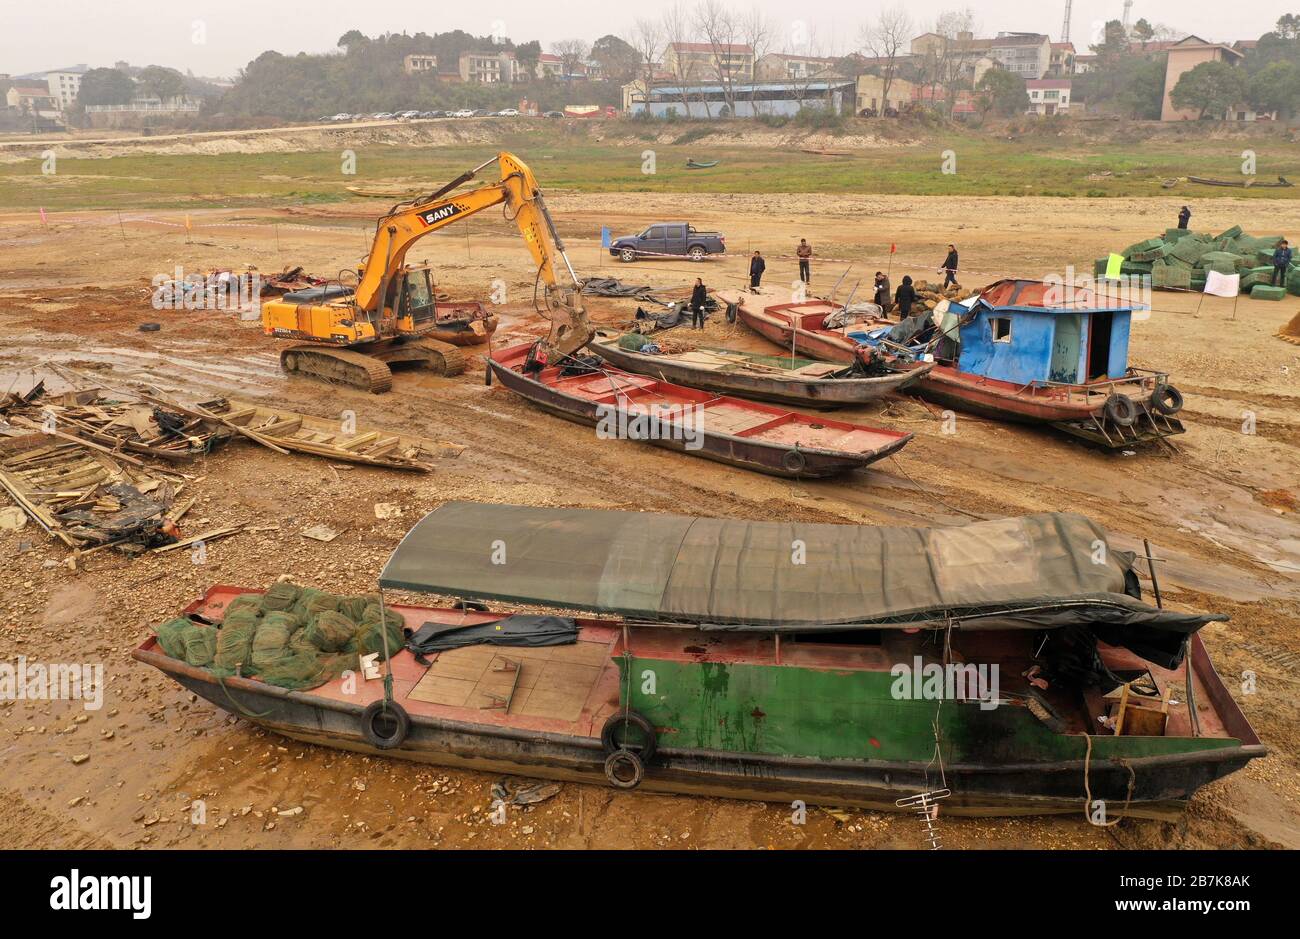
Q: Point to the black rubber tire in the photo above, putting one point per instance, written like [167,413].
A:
[793,461]
[733,311]
[487,375]
[627,761]
[626,255]
[385,726]
[1167,399]
[150,327]
[612,744]
[697,253]
[1121,410]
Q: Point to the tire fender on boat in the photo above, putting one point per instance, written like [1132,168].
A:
[613,736]
[624,769]
[1167,399]
[1121,409]
[793,461]
[385,724]
[732,312]
[487,374]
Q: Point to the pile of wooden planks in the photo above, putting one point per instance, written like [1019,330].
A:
[149,430]
[83,496]
[301,433]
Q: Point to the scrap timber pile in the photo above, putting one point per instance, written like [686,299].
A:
[1183,259]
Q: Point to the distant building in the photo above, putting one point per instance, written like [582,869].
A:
[488,68]
[701,61]
[1084,63]
[32,98]
[1185,55]
[143,110]
[1048,96]
[779,66]
[1028,55]
[549,66]
[870,94]
[1062,62]
[65,84]
[417,64]
[707,100]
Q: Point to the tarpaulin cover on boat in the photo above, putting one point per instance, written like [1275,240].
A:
[1040,570]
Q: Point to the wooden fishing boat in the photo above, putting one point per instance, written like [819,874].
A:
[1248,182]
[701,164]
[799,326]
[729,430]
[762,702]
[322,437]
[1024,356]
[776,378]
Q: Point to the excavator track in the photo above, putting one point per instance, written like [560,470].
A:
[444,358]
[338,367]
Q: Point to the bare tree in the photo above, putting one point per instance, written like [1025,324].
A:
[678,33]
[755,32]
[720,28]
[572,53]
[948,54]
[647,39]
[885,39]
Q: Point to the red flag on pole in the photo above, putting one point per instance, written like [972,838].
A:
[893,248]
[44,221]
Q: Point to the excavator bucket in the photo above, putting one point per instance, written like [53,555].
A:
[1291,331]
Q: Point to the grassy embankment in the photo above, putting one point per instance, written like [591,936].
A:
[1036,165]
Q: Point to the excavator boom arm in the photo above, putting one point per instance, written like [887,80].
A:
[518,190]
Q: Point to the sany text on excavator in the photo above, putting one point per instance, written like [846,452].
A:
[352,337]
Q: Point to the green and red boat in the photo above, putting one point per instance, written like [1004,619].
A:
[779,661]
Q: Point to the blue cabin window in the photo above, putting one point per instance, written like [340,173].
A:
[1001,327]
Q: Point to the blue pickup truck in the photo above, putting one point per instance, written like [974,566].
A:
[675,239]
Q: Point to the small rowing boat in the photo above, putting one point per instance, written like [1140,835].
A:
[801,326]
[729,430]
[782,379]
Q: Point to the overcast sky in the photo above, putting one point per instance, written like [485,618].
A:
[34,37]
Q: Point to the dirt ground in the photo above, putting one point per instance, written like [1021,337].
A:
[1222,509]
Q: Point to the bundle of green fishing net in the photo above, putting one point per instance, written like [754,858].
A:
[290,636]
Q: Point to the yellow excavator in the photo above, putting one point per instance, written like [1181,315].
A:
[353,336]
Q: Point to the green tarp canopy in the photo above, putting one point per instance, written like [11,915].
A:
[1040,570]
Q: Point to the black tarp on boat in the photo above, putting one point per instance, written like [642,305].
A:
[1038,571]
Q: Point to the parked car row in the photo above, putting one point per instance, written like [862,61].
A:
[343,117]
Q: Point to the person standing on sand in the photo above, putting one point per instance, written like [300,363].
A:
[756,267]
[1281,261]
[804,252]
[882,291]
[905,297]
[698,296]
[949,269]
[1184,217]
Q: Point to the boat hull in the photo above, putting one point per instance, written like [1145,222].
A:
[819,393]
[1161,784]
[746,453]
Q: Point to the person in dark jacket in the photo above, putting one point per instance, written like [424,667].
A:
[949,269]
[756,267]
[905,296]
[698,296]
[882,291]
[1184,217]
[1281,261]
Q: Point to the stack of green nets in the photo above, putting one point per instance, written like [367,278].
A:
[293,637]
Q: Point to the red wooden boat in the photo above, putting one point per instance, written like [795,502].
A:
[799,325]
[730,430]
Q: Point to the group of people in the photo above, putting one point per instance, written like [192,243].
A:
[904,297]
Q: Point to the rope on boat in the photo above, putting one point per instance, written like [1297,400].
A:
[239,707]
[1087,786]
